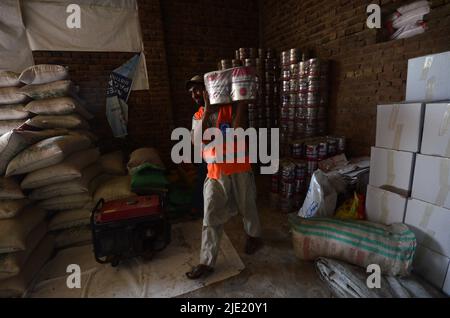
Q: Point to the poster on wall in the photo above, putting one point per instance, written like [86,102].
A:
[117,94]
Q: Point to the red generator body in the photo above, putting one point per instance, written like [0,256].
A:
[127,228]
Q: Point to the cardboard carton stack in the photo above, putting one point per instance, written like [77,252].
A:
[410,166]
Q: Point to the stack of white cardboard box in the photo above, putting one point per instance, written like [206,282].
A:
[410,166]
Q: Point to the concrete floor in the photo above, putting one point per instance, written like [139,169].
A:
[273,271]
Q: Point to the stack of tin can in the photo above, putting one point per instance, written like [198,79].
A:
[289,85]
[287,176]
[310,117]
[263,112]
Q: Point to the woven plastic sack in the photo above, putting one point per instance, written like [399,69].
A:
[17,286]
[46,153]
[7,125]
[12,263]
[13,232]
[360,243]
[11,208]
[67,202]
[50,90]
[12,95]
[144,155]
[70,219]
[57,106]
[10,189]
[13,112]
[15,141]
[9,79]
[43,73]
[73,121]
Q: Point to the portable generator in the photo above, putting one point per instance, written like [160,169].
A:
[127,228]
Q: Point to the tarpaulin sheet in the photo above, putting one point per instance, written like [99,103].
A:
[106,26]
[15,53]
[163,276]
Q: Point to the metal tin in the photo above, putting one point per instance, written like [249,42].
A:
[300,169]
[285,86]
[226,64]
[312,166]
[332,147]
[297,150]
[294,70]
[293,85]
[312,150]
[285,75]
[323,149]
[294,56]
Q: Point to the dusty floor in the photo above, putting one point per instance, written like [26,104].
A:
[273,271]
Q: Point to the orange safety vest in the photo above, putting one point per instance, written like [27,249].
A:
[215,170]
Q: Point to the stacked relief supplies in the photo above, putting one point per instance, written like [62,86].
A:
[56,172]
[409,177]
[24,243]
[12,103]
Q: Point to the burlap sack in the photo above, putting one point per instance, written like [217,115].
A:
[43,74]
[70,169]
[15,141]
[46,153]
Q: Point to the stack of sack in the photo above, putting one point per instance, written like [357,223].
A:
[56,172]
[24,244]
[145,171]
[12,103]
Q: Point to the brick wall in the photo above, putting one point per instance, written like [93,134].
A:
[364,73]
[199,34]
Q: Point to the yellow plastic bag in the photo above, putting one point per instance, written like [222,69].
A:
[353,208]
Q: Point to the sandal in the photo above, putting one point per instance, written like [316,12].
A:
[199,271]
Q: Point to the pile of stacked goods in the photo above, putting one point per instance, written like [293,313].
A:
[38,137]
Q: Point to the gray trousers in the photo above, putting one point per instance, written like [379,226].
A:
[224,198]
